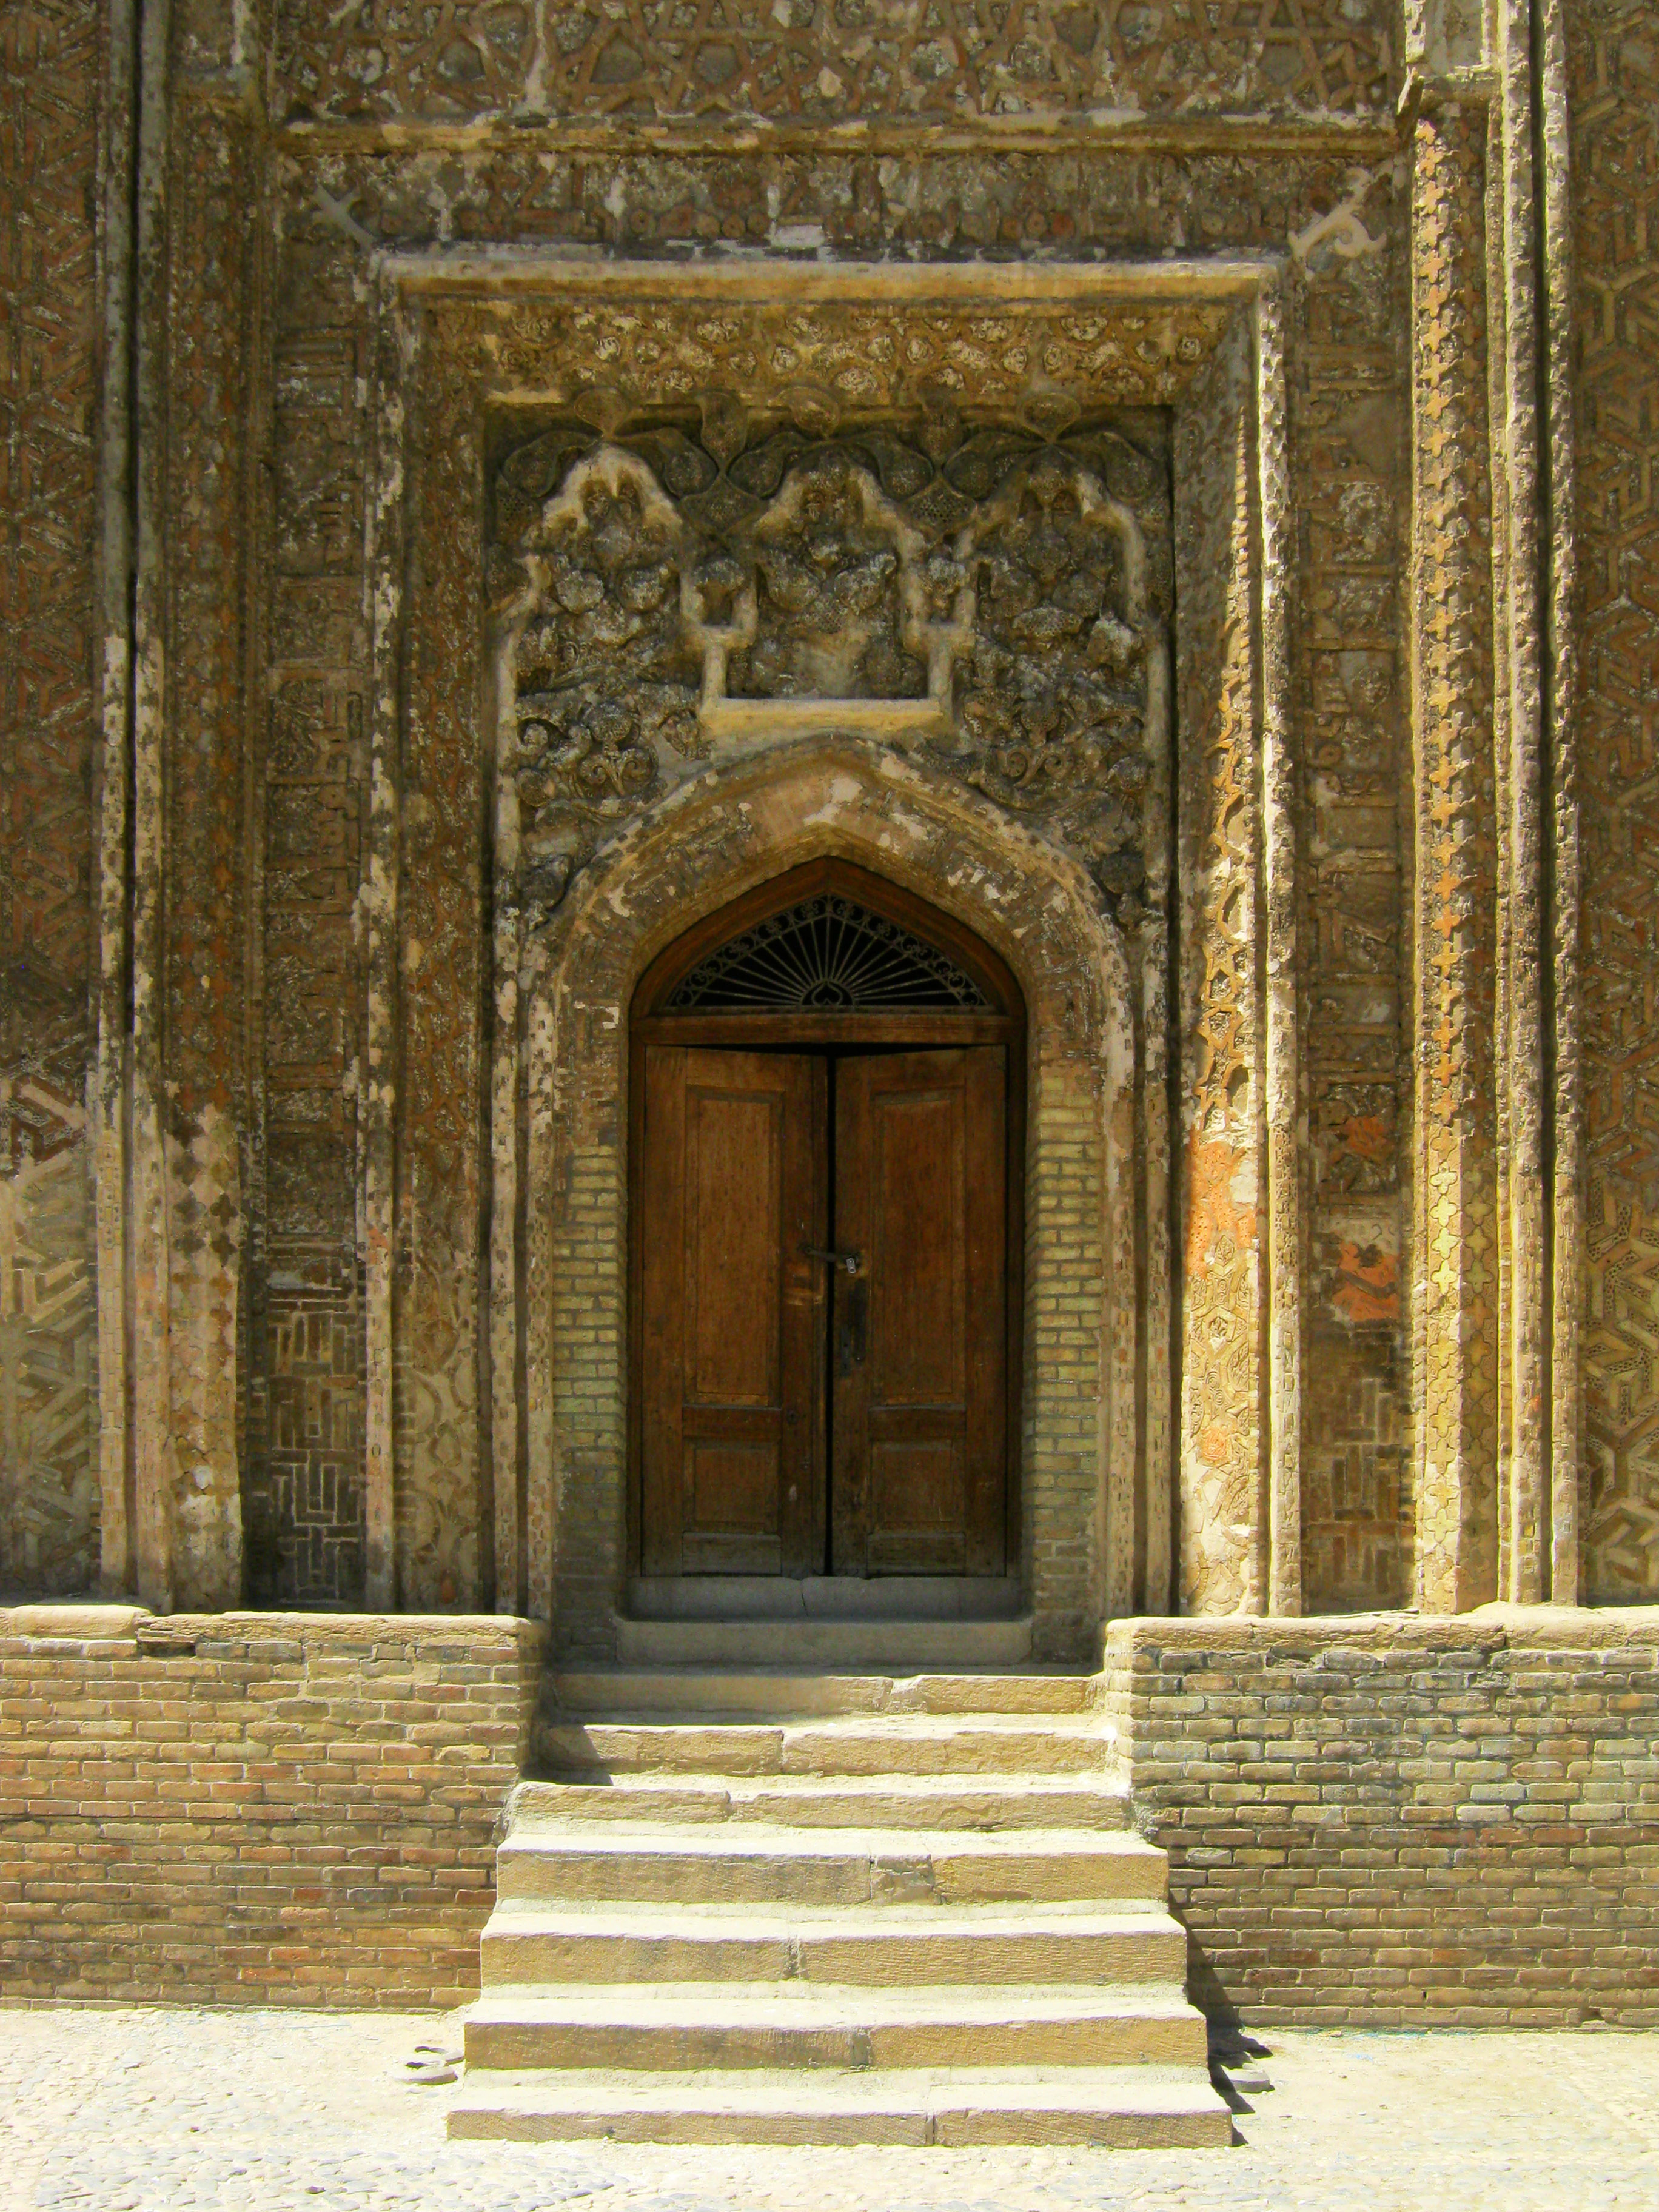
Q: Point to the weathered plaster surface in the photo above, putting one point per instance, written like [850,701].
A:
[51,58]
[1615,80]
[654,352]
[1456,861]
[827,62]
[1350,449]
[314,904]
[1219,1487]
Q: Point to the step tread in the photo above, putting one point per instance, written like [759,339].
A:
[927,1727]
[1130,2106]
[761,1840]
[1118,2088]
[778,1692]
[865,1800]
[985,1802]
[1068,1916]
[878,1646]
[975,1946]
[874,1744]
[712,2005]
[781,1671]
[962,1811]
[545,1789]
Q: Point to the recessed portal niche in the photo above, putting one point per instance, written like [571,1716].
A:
[825,1210]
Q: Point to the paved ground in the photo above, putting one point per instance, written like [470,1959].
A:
[127,2111]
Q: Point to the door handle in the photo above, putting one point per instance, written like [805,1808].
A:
[850,1261]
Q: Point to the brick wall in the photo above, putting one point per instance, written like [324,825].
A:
[1373,1820]
[259,1808]
[1386,1821]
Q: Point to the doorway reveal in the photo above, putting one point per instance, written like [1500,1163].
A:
[825,1239]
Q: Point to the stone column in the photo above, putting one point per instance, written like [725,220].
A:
[192,895]
[1222,1474]
[1455,1166]
[1281,1039]
[1566,1085]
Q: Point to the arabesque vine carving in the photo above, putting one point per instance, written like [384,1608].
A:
[994,596]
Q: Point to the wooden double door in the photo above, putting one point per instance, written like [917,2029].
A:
[822,1268]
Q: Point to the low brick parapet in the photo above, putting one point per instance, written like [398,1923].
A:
[261,1808]
[1372,1821]
[1390,1820]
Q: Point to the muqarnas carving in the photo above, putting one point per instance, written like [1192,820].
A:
[994,597]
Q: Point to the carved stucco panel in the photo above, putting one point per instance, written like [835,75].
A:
[1457,1289]
[202,969]
[51,58]
[1005,611]
[441,1458]
[538,194]
[823,62]
[1614,83]
[1350,434]
[1219,1226]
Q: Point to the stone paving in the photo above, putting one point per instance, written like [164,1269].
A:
[127,2110]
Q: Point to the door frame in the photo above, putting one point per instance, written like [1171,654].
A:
[1003,1022]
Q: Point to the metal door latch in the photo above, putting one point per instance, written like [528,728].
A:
[849,1261]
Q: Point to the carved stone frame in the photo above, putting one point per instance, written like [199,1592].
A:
[1104,1523]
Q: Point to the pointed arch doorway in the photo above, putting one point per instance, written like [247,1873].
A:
[827,1120]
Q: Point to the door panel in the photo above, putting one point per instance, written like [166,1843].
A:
[734,1248]
[732,1381]
[916,1487]
[917,1348]
[920,1420]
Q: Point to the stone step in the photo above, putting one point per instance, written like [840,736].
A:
[1126,2108]
[776,1692]
[930,1744]
[625,1862]
[763,1907]
[897,1946]
[822,1597]
[678,2026]
[919,1800]
[873,1644]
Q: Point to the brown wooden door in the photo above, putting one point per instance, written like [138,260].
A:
[732,1384]
[918,1421]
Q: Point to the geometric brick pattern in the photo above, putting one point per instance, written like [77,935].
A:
[1614,79]
[303,1490]
[51,65]
[817,62]
[304,1499]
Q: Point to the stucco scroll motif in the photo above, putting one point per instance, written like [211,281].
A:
[995,598]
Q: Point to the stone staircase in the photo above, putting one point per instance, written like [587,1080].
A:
[775,1908]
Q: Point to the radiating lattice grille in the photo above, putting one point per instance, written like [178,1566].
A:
[827,955]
